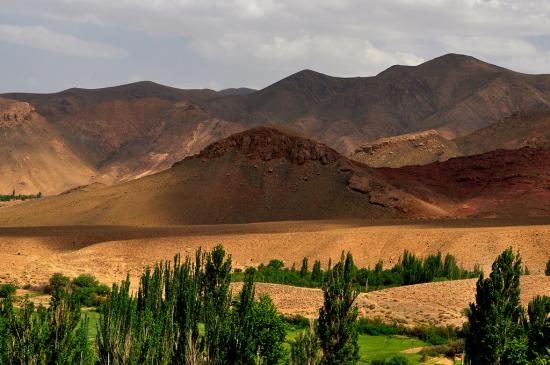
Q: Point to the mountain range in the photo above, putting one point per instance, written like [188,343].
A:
[456,104]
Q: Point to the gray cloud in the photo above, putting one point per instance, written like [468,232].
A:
[225,43]
[45,39]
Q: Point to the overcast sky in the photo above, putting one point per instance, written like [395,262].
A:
[50,45]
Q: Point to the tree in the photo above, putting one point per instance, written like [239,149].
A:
[269,330]
[496,316]
[217,300]
[305,349]
[337,318]
[39,335]
[304,268]
[316,273]
[243,344]
[538,330]
[58,282]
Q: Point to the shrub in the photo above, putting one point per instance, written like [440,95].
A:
[397,360]
[376,327]
[297,321]
[7,290]
[394,360]
[57,282]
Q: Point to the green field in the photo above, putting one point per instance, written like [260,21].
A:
[370,347]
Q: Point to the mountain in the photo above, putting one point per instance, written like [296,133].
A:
[124,132]
[453,94]
[132,130]
[265,174]
[240,91]
[512,132]
[501,183]
[419,148]
[259,175]
[35,157]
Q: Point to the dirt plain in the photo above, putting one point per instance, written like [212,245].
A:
[30,255]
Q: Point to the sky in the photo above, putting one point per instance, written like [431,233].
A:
[51,45]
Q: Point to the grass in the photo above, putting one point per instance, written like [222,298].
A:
[370,347]
[375,347]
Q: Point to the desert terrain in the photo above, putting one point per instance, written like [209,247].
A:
[31,254]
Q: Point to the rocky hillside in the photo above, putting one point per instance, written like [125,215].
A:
[513,132]
[419,148]
[35,156]
[501,183]
[454,94]
[134,130]
[264,174]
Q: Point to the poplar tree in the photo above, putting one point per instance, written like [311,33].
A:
[496,316]
[337,318]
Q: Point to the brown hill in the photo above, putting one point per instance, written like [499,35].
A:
[258,175]
[513,132]
[35,157]
[264,174]
[419,148]
[502,183]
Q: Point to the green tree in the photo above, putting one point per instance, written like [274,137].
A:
[7,290]
[243,344]
[538,326]
[269,330]
[496,315]
[217,301]
[304,268]
[305,349]
[39,335]
[336,328]
[316,273]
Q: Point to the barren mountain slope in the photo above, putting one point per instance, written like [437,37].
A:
[455,94]
[264,174]
[500,183]
[137,129]
[418,148]
[35,158]
[132,130]
[258,175]
[516,131]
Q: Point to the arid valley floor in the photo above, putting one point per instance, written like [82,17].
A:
[31,255]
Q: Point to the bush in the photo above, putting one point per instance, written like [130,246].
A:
[376,327]
[89,291]
[7,290]
[85,288]
[57,282]
[448,350]
[394,360]
[297,321]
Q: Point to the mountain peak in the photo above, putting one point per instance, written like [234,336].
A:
[458,60]
[268,143]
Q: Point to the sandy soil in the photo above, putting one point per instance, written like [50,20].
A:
[31,255]
[433,303]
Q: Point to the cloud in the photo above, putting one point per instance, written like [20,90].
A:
[42,38]
[257,41]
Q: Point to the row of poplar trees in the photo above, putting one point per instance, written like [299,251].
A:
[183,313]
